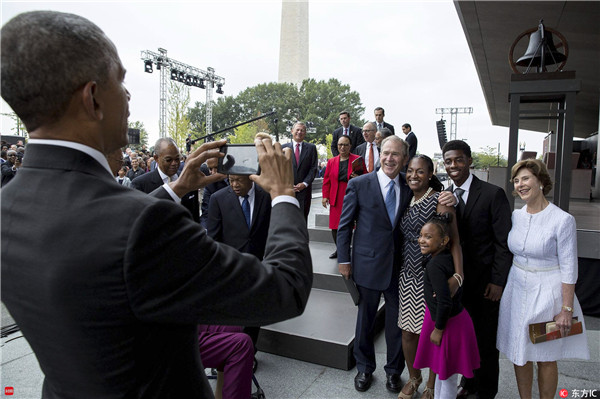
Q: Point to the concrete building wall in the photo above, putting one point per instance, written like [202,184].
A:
[293,48]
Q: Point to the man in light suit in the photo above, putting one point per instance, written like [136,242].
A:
[354,132]
[380,123]
[305,162]
[484,220]
[376,208]
[112,311]
[167,159]
[368,150]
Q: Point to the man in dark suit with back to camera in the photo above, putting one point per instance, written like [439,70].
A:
[484,220]
[112,311]
[305,162]
[354,132]
[168,159]
[379,122]
[209,190]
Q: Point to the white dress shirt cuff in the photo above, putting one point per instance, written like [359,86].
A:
[285,198]
[171,193]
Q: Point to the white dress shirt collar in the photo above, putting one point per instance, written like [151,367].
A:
[164,177]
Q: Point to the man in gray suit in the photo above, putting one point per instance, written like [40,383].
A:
[112,311]
[369,150]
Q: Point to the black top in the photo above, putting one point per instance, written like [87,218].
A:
[437,272]
[343,170]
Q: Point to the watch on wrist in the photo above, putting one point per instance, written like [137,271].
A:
[568,308]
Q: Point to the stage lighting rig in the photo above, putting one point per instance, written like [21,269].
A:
[183,73]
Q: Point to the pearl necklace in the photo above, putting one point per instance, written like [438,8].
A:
[414,202]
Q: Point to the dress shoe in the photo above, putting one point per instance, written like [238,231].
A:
[392,382]
[362,381]
[333,255]
[464,393]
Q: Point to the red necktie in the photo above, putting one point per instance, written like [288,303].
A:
[297,154]
[371,156]
[345,131]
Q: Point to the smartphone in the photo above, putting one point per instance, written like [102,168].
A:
[239,159]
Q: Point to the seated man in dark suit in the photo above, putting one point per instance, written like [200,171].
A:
[239,216]
[113,311]
[168,159]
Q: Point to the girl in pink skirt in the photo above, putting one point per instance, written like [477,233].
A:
[447,343]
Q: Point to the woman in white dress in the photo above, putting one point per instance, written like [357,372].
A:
[541,283]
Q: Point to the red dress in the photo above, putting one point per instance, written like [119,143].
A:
[335,190]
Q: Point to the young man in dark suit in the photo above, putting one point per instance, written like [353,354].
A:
[354,132]
[112,311]
[411,140]
[484,220]
[168,159]
[380,123]
[305,162]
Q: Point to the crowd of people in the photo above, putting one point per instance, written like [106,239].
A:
[183,264]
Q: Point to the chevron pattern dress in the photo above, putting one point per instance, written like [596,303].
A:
[412,273]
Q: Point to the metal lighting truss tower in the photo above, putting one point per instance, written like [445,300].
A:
[183,73]
[453,112]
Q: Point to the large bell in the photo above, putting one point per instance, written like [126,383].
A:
[541,50]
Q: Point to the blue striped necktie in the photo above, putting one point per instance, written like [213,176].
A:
[390,201]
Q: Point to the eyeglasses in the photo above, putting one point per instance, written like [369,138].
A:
[343,145]
[369,130]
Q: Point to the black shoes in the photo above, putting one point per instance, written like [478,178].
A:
[393,383]
[362,381]
[333,255]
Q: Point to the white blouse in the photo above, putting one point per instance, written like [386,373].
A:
[547,239]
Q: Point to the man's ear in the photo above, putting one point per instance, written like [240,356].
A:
[89,99]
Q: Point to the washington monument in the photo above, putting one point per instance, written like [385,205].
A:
[293,48]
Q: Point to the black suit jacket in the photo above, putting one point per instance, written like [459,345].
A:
[389,126]
[226,222]
[356,138]
[150,181]
[7,172]
[208,192]
[305,171]
[483,228]
[411,140]
[109,290]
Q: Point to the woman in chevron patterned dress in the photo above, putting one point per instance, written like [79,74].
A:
[426,189]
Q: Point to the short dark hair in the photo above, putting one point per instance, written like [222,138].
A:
[457,145]
[408,126]
[345,113]
[346,137]
[46,57]
[380,109]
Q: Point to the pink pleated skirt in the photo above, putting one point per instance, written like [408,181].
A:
[457,352]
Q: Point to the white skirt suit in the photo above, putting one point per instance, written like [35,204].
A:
[544,246]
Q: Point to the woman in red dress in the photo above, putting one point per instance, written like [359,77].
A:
[337,174]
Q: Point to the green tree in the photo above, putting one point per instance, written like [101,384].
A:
[323,101]
[328,141]
[488,156]
[143,134]
[319,102]
[178,124]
